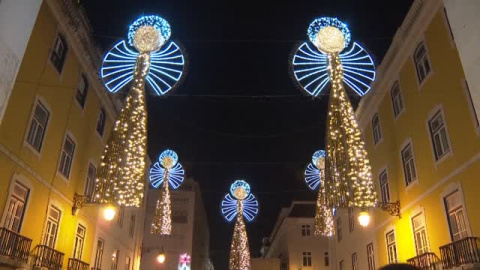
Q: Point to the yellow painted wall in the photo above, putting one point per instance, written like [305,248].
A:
[443,87]
[38,78]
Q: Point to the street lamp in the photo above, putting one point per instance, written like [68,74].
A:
[109,212]
[161,257]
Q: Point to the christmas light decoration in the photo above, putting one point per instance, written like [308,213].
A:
[166,170]
[348,177]
[314,175]
[150,59]
[239,203]
[184,262]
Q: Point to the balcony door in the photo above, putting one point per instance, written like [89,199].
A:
[456,216]
[51,227]
[15,207]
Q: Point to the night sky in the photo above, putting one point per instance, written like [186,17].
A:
[238,114]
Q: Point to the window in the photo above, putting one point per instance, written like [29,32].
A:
[305,230]
[115,256]
[456,217]
[101,122]
[370,257]
[339,229]
[51,228]
[391,247]
[90,183]
[15,207]
[409,164]
[67,157]
[397,99]
[79,241]
[377,133]
[354,261]
[59,53]
[82,90]
[131,229]
[99,254]
[307,258]
[341,265]
[351,220]
[38,126]
[421,62]
[127,263]
[384,187]
[438,133]
[420,234]
[121,214]
[327,259]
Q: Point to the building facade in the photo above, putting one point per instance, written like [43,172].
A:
[293,243]
[421,131]
[190,231]
[52,135]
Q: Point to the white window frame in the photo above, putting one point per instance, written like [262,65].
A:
[376,129]
[50,221]
[341,265]
[306,230]
[79,242]
[354,261]
[99,254]
[413,160]
[384,186]
[61,164]
[115,259]
[59,36]
[371,256]
[450,192]
[38,101]
[423,246]
[307,259]
[391,244]
[426,58]
[397,99]
[128,263]
[9,214]
[434,114]
[89,181]
[83,77]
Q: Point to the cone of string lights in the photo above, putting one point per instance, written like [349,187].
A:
[167,171]
[328,60]
[314,178]
[237,204]
[144,58]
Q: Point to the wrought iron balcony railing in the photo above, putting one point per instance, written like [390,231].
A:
[461,252]
[48,257]
[426,261]
[14,245]
[76,264]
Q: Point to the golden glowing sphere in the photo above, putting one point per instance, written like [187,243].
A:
[240,193]
[168,162]
[330,40]
[364,218]
[109,212]
[320,163]
[148,39]
[161,258]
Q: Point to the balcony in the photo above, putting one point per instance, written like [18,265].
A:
[48,257]
[14,245]
[459,253]
[76,264]
[426,261]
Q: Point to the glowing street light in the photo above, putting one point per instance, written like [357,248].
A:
[364,218]
[109,212]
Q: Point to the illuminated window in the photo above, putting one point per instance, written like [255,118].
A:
[377,133]
[101,122]
[38,125]
[90,183]
[67,157]
[307,258]
[59,53]
[420,234]
[327,259]
[339,229]
[51,227]
[82,90]
[422,63]
[439,135]
[354,261]
[409,167]
[384,187]
[99,254]
[370,257]
[456,217]
[397,99]
[15,207]
[351,220]
[305,230]
[391,247]
[131,229]
[79,241]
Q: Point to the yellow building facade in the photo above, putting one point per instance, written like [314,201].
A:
[422,137]
[52,136]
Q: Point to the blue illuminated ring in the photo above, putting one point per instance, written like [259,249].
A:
[318,154]
[240,183]
[323,22]
[168,153]
[156,21]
